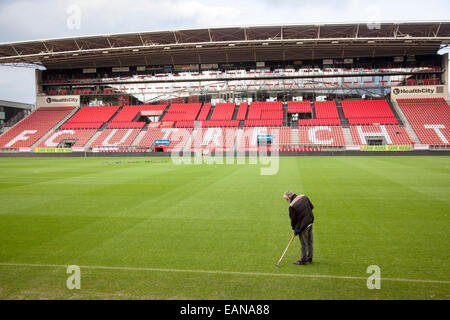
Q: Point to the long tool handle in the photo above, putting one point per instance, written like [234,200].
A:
[284,253]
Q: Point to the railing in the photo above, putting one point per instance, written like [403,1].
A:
[281,85]
[238,74]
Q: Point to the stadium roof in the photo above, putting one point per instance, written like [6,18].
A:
[13,104]
[233,44]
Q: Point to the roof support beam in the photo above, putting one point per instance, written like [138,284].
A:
[109,42]
[142,40]
[210,35]
[437,31]
[396,31]
[78,46]
[17,53]
[45,46]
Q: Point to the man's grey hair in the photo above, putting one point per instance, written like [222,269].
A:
[288,194]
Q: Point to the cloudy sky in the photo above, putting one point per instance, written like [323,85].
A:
[38,19]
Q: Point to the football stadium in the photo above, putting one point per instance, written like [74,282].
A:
[155,164]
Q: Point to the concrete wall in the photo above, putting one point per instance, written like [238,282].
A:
[445,68]
[38,79]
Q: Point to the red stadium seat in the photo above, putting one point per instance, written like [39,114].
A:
[430,119]
[368,112]
[249,139]
[32,128]
[393,135]
[178,137]
[272,111]
[183,112]
[204,112]
[214,138]
[242,112]
[223,111]
[116,138]
[126,118]
[90,118]
[326,115]
[299,107]
[80,136]
[330,136]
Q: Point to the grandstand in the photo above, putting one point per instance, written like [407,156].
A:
[334,87]
[369,123]
[430,119]
[32,128]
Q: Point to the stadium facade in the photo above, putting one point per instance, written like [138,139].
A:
[348,86]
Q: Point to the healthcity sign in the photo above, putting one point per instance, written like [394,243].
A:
[419,92]
[57,101]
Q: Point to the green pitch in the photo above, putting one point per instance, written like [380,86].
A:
[145,228]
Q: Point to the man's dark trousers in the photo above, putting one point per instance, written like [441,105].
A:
[306,240]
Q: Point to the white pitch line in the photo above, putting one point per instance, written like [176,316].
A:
[260,274]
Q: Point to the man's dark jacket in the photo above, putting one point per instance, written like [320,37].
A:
[300,212]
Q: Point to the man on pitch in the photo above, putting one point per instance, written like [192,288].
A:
[302,219]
